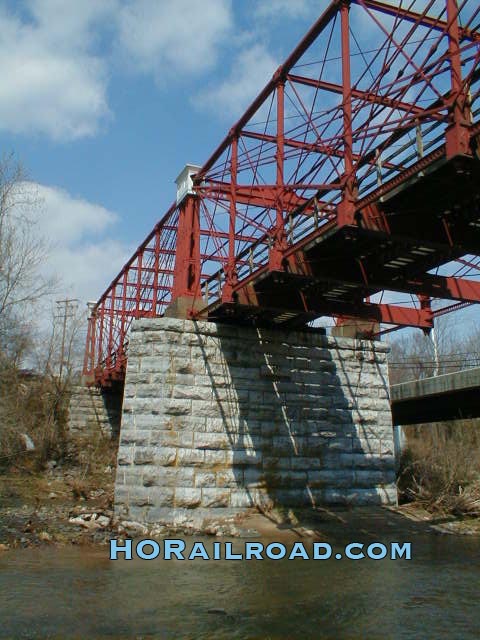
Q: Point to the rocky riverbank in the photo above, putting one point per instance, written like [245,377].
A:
[66,506]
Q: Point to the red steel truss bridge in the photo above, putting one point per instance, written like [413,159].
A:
[349,188]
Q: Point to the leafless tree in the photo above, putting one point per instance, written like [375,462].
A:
[23,251]
[415,355]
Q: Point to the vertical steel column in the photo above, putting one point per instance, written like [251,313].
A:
[156,266]
[230,271]
[457,133]
[138,293]
[100,334]
[186,280]
[123,315]
[275,261]
[89,360]
[346,208]
[111,319]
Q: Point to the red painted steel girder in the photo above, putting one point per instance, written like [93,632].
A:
[415,17]
[254,208]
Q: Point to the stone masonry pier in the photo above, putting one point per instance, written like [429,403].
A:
[219,418]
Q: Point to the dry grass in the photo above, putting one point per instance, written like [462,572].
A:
[441,468]
[34,407]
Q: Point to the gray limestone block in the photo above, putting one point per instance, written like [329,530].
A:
[319,352]
[242,498]
[189,498]
[167,457]
[149,391]
[143,405]
[273,463]
[372,461]
[144,455]
[216,380]
[125,455]
[287,446]
[139,437]
[275,373]
[137,514]
[192,457]
[341,416]
[320,366]
[161,496]
[372,496]
[192,392]
[181,423]
[121,494]
[291,497]
[270,428]
[130,390]
[252,477]
[192,339]
[147,421]
[384,416]
[139,348]
[371,478]
[139,496]
[134,378]
[220,425]
[230,477]
[387,447]
[177,407]
[173,379]
[166,438]
[293,478]
[243,373]
[305,463]
[215,498]
[156,364]
[244,457]
[212,409]
[330,477]
[176,477]
[229,394]
[215,458]
[340,444]
[212,441]
[205,479]
[370,444]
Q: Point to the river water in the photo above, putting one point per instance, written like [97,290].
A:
[79,593]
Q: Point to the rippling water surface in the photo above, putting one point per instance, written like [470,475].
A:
[80,593]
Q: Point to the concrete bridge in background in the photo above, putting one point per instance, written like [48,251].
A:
[452,396]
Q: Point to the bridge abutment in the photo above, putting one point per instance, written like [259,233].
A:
[219,418]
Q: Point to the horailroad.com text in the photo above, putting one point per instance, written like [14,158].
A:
[176,549]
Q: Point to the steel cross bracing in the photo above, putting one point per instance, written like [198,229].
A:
[349,188]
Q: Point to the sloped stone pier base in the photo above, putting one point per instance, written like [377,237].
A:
[218,418]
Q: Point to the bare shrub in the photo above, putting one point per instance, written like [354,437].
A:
[440,470]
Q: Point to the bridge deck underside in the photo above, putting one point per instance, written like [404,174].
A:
[432,219]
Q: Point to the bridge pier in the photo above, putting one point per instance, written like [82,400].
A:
[219,418]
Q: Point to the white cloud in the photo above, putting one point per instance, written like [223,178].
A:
[174,36]
[281,9]
[51,82]
[250,72]
[69,220]
[82,254]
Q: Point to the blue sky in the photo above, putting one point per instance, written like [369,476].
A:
[104,101]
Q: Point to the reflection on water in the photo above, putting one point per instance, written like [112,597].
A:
[79,593]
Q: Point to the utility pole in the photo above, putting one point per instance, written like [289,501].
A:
[434,338]
[65,311]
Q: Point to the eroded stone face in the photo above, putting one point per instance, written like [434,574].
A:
[218,419]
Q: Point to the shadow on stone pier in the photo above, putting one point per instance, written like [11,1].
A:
[220,418]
